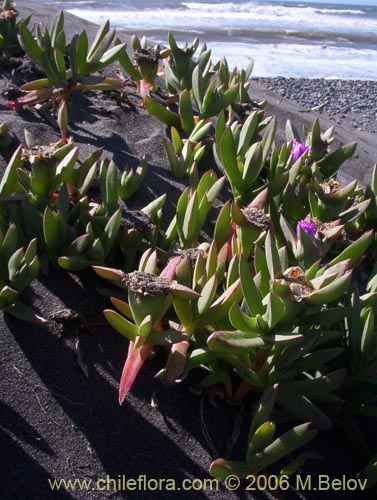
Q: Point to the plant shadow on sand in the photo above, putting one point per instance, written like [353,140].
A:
[119,441]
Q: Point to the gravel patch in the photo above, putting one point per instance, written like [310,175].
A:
[344,101]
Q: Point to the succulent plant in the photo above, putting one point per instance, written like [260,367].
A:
[145,67]
[180,64]
[241,158]
[192,209]
[38,171]
[67,70]
[198,93]
[78,222]
[19,267]
[5,137]
[263,448]
[276,307]
[149,298]
[203,102]
[132,179]
[9,28]
[244,105]
[185,154]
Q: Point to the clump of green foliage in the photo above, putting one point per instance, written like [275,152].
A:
[19,267]
[68,66]
[276,294]
[5,137]
[51,195]
[9,29]
[270,307]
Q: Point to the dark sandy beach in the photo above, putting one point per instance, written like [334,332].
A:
[55,422]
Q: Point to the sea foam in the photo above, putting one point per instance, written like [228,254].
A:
[297,39]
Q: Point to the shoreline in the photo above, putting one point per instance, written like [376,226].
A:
[310,43]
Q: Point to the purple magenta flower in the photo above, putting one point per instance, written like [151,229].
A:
[307,227]
[298,149]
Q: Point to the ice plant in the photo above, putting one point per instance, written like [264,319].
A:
[192,210]
[38,171]
[241,157]
[54,206]
[149,297]
[46,168]
[277,297]
[132,179]
[264,449]
[145,69]
[5,137]
[66,72]
[63,121]
[245,105]
[185,154]
[204,270]
[9,45]
[146,61]
[298,149]
[143,285]
[197,90]
[268,306]
[250,224]
[18,268]
[178,67]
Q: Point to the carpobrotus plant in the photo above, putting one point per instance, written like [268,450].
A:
[19,267]
[9,29]
[5,137]
[269,294]
[66,70]
[149,297]
[269,285]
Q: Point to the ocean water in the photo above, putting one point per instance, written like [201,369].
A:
[283,38]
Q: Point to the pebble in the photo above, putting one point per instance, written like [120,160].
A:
[344,101]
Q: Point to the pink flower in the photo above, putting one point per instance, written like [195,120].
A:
[298,149]
[307,227]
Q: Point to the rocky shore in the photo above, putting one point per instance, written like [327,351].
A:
[351,102]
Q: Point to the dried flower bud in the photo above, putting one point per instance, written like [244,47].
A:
[257,217]
[192,254]
[330,187]
[135,221]
[147,62]
[147,284]
[298,285]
